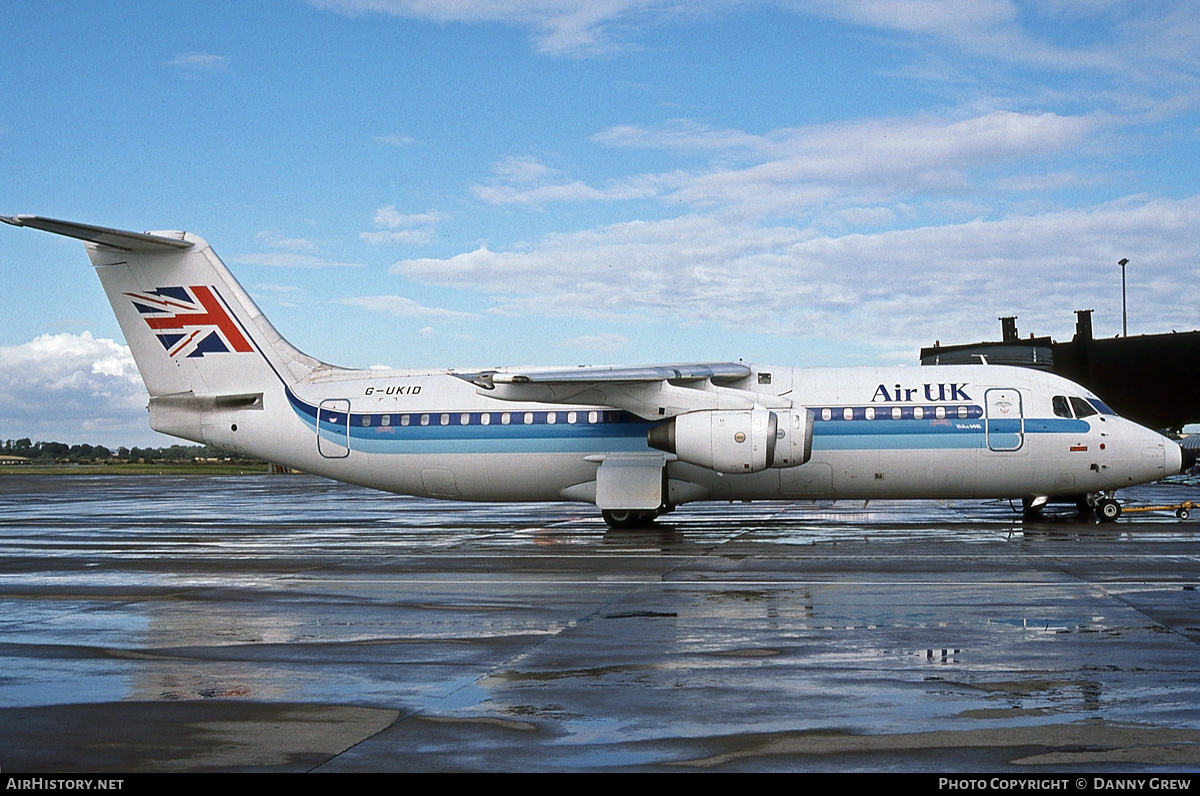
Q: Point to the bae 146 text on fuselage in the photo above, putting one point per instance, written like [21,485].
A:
[635,441]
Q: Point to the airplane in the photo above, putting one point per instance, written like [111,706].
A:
[634,441]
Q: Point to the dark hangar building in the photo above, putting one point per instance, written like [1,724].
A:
[1153,379]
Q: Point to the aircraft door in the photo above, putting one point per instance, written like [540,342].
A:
[333,428]
[1005,420]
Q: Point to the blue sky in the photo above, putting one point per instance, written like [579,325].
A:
[470,183]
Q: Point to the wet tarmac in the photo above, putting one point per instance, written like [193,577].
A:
[287,623]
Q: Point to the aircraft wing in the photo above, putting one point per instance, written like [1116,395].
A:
[653,392]
[719,372]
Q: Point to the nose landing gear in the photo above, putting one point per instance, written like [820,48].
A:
[1108,509]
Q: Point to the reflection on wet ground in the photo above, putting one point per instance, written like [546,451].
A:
[290,623]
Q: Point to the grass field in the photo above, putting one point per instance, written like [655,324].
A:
[134,469]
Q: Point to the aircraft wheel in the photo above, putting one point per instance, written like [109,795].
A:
[623,518]
[1183,514]
[1108,509]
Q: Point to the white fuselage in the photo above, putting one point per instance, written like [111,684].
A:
[933,432]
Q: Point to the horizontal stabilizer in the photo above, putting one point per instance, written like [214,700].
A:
[112,238]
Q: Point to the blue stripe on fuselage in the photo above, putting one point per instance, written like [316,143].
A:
[616,430]
[611,430]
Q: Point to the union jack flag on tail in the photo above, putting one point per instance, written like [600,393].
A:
[190,321]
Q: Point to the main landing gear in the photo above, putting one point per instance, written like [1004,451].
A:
[622,519]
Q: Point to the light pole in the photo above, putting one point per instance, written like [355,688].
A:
[1124,311]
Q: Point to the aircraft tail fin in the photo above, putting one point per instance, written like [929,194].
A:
[197,337]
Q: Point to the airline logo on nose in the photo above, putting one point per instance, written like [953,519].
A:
[190,321]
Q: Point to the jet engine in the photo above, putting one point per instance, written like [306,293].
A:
[793,446]
[725,440]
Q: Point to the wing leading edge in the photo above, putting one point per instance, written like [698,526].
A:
[718,372]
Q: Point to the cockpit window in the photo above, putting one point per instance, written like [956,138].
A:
[1061,407]
[1101,407]
[1082,408]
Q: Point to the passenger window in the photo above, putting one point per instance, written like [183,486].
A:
[485,419]
[963,412]
[826,414]
[445,419]
[940,413]
[366,421]
[424,420]
[897,413]
[385,421]
[404,420]
[528,418]
[869,413]
[551,418]
[572,417]
[505,419]
[593,417]
[464,419]
[1061,407]
[918,412]
[847,414]
[1082,408]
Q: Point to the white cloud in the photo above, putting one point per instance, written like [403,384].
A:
[869,216]
[605,343]
[525,180]
[196,63]
[524,169]
[685,135]
[792,171]
[396,227]
[274,238]
[410,236]
[281,295]
[875,160]
[1153,43]
[72,388]
[1040,183]
[403,307]
[399,141]
[559,28]
[575,191]
[895,288]
[388,218]
[290,260]
[993,28]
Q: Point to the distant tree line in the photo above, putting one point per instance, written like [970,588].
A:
[60,452]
